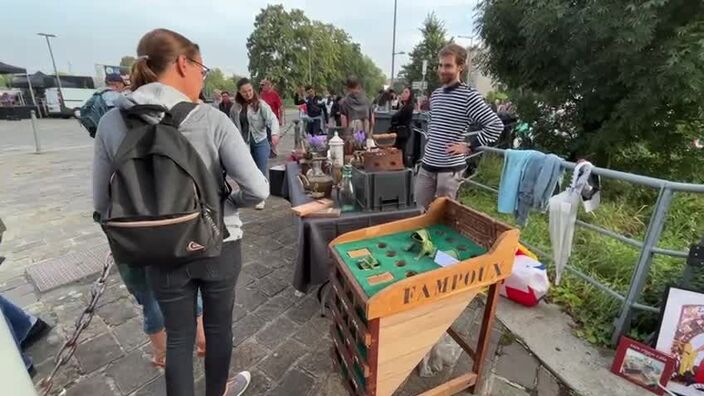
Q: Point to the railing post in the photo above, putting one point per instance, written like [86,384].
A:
[296,133]
[37,145]
[640,274]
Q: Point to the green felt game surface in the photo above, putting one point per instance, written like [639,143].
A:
[390,251]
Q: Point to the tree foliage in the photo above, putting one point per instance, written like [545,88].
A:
[216,80]
[619,82]
[434,39]
[291,50]
[127,61]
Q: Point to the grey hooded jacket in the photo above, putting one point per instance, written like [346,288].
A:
[259,120]
[211,133]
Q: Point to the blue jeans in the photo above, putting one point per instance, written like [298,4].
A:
[135,279]
[260,154]
[19,323]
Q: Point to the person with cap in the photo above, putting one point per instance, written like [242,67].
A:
[115,86]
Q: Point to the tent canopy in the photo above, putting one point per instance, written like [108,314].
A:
[9,69]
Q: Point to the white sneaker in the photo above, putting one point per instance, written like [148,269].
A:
[260,206]
[238,384]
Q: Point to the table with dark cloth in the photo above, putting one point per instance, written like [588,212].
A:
[313,262]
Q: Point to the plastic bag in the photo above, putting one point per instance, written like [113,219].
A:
[443,354]
[528,282]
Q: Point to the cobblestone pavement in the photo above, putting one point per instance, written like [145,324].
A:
[280,337]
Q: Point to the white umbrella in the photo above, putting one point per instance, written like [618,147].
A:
[563,209]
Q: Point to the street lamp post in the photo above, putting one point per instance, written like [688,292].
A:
[468,62]
[393,56]
[53,62]
[393,46]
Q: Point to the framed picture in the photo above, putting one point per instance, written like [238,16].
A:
[643,365]
[682,336]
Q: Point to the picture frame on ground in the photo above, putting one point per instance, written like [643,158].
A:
[682,336]
[643,365]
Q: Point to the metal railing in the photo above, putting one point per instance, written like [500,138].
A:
[648,247]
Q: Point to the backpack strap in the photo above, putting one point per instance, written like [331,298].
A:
[178,113]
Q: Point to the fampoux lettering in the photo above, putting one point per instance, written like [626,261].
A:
[451,282]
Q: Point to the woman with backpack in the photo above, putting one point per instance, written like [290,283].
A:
[167,79]
[254,117]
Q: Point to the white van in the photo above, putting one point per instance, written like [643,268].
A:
[74,99]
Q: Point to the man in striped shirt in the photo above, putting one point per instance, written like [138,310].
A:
[453,108]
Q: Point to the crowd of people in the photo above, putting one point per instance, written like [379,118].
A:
[190,304]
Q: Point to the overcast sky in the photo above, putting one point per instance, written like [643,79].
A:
[94,32]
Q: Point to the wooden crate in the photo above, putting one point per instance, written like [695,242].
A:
[378,340]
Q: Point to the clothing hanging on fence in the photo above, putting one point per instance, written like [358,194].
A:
[515,164]
[563,209]
[538,184]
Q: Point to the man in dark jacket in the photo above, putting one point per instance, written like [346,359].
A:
[226,103]
[316,111]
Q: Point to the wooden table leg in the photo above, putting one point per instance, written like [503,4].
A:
[485,333]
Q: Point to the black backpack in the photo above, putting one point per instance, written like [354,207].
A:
[166,208]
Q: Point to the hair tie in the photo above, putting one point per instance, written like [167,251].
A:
[143,57]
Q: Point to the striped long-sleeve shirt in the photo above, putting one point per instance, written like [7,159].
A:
[452,111]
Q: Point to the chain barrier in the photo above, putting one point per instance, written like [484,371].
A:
[83,321]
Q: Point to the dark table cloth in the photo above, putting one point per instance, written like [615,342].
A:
[313,262]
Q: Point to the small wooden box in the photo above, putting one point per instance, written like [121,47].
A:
[378,340]
[385,159]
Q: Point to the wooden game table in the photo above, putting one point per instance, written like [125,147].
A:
[390,304]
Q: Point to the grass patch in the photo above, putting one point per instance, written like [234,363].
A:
[625,209]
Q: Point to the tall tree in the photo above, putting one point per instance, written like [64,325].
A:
[127,61]
[621,83]
[434,38]
[291,50]
[216,80]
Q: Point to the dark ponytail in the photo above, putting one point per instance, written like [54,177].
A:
[156,51]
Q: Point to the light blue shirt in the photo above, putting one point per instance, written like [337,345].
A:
[515,163]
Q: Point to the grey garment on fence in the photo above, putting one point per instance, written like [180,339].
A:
[430,185]
[312,265]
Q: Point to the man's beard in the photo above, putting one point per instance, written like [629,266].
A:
[446,79]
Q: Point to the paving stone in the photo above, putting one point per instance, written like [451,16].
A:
[47,347]
[130,334]
[257,269]
[238,312]
[65,376]
[260,384]
[304,310]
[271,285]
[111,294]
[275,306]
[117,312]
[314,332]
[283,357]
[330,385]
[155,388]
[97,353]
[295,382]
[94,385]
[517,365]
[22,296]
[247,355]
[501,388]
[276,332]
[132,371]
[94,329]
[547,384]
[13,283]
[246,328]
[250,299]
[317,363]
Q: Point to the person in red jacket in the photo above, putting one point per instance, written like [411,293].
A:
[272,98]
